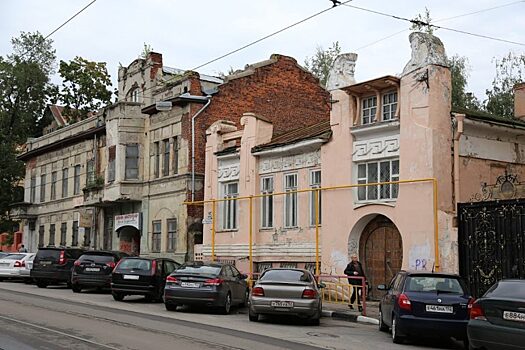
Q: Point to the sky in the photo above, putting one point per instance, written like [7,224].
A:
[190,33]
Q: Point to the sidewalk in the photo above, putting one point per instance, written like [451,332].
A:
[342,311]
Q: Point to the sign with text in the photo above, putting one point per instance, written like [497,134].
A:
[132,219]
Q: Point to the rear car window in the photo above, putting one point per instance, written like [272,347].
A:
[14,257]
[507,289]
[97,258]
[200,270]
[433,284]
[135,264]
[286,276]
[48,253]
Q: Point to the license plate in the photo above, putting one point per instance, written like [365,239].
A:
[93,269]
[131,277]
[4,264]
[287,304]
[190,284]
[514,316]
[440,308]
[45,263]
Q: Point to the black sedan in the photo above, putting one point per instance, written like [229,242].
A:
[210,284]
[93,269]
[497,320]
[422,303]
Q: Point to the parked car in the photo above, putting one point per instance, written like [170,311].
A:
[422,303]
[211,284]
[497,320]
[26,271]
[52,265]
[141,276]
[2,254]
[94,268]
[283,291]
[14,265]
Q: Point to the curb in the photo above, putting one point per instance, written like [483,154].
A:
[350,317]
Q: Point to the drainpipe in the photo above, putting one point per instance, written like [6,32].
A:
[457,135]
[193,139]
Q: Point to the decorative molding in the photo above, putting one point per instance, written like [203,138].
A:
[376,148]
[507,186]
[229,169]
[263,250]
[286,163]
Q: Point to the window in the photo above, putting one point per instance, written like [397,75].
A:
[175,164]
[172,235]
[389,105]
[166,158]
[368,112]
[155,242]
[76,180]
[52,234]
[132,162]
[290,203]
[229,213]
[74,241]
[108,232]
[65,179]
[42,187]
[381,171]
[87,236]
[135,95]
[63,233]
[156,160]
[32,193]
[267,202]
[53,185]
[90,172]
[315,182]
[41,236]
[111,163]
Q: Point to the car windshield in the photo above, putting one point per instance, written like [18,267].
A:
[507,289]
[135,264]
[199,270]
[14,257]
[286,276]
[48,253]
[97,258]
[434,284]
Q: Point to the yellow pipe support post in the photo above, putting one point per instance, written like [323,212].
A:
[317,232]
[251,242]
[213,231]
[436,229]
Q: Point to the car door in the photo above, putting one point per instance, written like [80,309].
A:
[239,284]
[230,282]
[389,299]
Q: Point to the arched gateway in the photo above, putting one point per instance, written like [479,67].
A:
[381,252]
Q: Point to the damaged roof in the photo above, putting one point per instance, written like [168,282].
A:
[489,118]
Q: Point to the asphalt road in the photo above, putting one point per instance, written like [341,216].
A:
[56,318]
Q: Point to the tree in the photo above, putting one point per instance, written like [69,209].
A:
[145,51]
[321,63]
[421,23]
[510,70]
[459,70]
[85,87]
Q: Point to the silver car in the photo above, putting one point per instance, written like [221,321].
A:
[14,265]
[282,291]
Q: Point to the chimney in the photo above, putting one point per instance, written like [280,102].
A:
[342,72]
[519,101]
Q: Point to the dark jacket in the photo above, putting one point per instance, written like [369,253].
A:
[354,267]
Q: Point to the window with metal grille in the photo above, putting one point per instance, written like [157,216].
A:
[63,233]
[172,234]
[76,180]
[166,158]
[378,171]
[290,201]
[368,110]
[65,181]
[389,105]
[315,182]
[267,202]
[53,185]
[288,265]
[74,240]
[156,236]
[52,234]
[230,191]
[132,162]
[42,187]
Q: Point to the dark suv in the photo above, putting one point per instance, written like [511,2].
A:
[141,276]
[94,268]
[53,265]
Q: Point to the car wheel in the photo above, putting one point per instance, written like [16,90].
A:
[76,288]
[227,304]
[253,316]
[245,300]
[170,307]
[118,296]
[315,320]
[396,338]
[382,326]
[41,284]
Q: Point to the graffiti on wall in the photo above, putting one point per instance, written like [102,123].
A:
[420,257]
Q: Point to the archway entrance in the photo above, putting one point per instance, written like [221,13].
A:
[381,251]
[129,240]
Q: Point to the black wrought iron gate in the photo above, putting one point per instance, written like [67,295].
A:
[491,241]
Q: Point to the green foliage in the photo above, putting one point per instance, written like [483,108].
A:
[421,23]
[145,51]
[85,87]
[460,69]
[510,70]
[322,61]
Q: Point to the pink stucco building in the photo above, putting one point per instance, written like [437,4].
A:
[392,128]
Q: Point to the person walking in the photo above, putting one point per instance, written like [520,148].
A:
[355,269]
[22,249]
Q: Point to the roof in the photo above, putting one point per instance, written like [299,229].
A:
[204,77]
[487,117]
[319,130]
[367,87]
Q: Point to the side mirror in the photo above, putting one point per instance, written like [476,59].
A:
[321,285]
[243,276]
[382,287]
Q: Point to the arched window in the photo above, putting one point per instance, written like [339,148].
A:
[134,95]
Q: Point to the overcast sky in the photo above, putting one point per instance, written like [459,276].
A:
[190,33]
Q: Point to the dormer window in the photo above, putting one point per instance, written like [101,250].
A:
[389,105]
[368,112]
